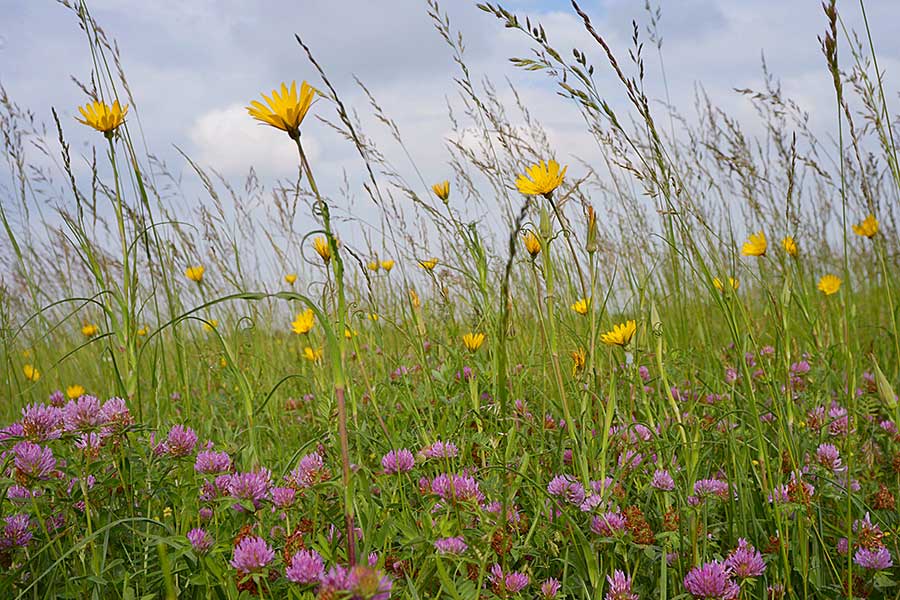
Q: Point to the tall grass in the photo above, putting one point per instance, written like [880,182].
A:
[770,404]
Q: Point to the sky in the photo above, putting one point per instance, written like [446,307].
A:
[194,64]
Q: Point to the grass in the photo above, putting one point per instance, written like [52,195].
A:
[760,413]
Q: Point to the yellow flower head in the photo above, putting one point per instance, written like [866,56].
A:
[582,306]
[373,317]
[829,284]
[790,246]
[285,110]
[532,244]
[89,330]
[579,359]
[210,325]
[74,392]
[195,273]
[322,248]
[102,117]
[31,373]
[290,278]
[429,264]
[312,355]
[387,265]
[143,331]
[304,322]
[374,265]
[414,298]
[442,190]
[755,245]
[717,283]
[473,341]
[541,179]
[620,335]
[349,334]
[868,227]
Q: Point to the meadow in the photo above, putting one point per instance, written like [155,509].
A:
[669,375]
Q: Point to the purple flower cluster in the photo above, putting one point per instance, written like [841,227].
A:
[398,461]
[201,541]
[209,462]
[619,587]
[306,567]
[460,488]
[504,584]
[309,472]
[451,545]
[711,581]
[745,560]
[33,462]
[251,555]
[439,449]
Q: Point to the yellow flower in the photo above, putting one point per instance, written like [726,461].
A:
[143,331]
[210,325]
[755,245]
[790,246]
[304,322]
[582,306]
[442,190]
[102,117]
[322,247]
[195,273]
[868,227]
[414,298]
[429,264]
[532,244]
[541,179]
[312,355]
[579,358]
[620,335]
[473,341]
[829,284]
[387,265]
[285,110]
[74,392]
[349,334]
[89,330]
[373,317]
[717,283]
[374,265]
[31,373]
[223,362]
[290,278]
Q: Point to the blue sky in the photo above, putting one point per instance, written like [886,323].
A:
[193,66]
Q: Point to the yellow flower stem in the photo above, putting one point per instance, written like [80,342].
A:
[890,303]
[337,358]
[567,234]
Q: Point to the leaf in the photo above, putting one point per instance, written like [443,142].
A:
[884,387]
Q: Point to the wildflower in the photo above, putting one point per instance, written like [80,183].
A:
[541,179]
[451,545]
[440,449]
[82,414]
[509,583]
[89,330]
[745,560]
[755,245]
[251,555]
[875,559]
[591,243]
[620,587]
[283,497]
[350,333]
[210,325]
[102,117]
[210,463]
[868,227]
[195,273]
[790,246]
[33,462]
[712,581]
[285,110]
[398,461]
[360,583]
[732,283]
[290,278]
[550,588]
[829,457]
[414,299]
[73,392]
[829,284]
[31,373]
[662,480]
[251,485]
[181,441]
[620,335]
[473,341]
[374,265]
[462,488]
[304,322]
[532,244]
[16,531]
[579,359]
[200,540]
[312,355]
[608,524]
[306,567]
[387,265]
[428,264]
[41,422]
[582,306]
[115,416]
[565,487]
[442,190]
[144,330]
[322,248]
[310,471]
